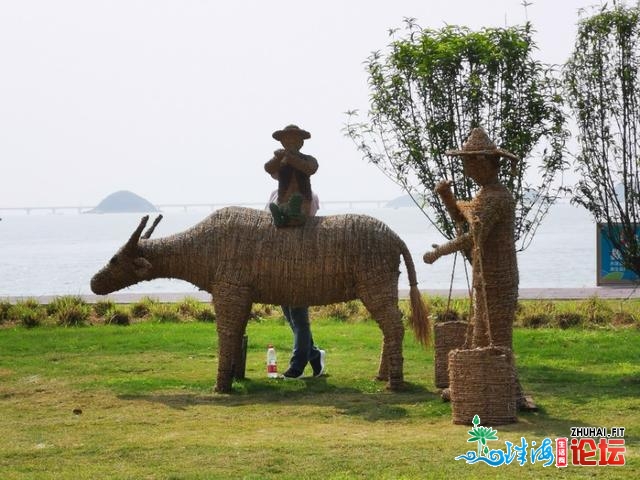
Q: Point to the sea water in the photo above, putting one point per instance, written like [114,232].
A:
[57,254]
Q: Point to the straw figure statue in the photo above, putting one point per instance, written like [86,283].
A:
[292,169]
[488,241]
[240,257]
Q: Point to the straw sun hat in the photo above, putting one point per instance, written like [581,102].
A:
[289,129]
[479,143]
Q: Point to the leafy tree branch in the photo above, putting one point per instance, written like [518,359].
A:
[429,88]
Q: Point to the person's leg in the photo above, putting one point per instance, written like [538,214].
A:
[302,341]
[287,313]
[315,354]
[304,350]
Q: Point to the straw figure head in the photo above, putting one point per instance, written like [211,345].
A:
[291,137]
[479,143]
[481,157]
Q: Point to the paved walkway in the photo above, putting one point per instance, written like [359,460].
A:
[525,294]
[553,293]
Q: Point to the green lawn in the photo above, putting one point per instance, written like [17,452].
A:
[148,411]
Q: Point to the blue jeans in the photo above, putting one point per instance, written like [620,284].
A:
[304,350]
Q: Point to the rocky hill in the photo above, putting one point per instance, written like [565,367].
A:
[124,202]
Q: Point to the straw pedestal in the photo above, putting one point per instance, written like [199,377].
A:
[447,336]
[482,382]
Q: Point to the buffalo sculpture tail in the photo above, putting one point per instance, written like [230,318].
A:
[419,318]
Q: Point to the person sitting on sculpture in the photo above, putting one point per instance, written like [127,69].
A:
[292,169]
[304,349]
[489,242]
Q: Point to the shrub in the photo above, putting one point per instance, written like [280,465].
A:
[536,320]
[30,303]
[28,313]
[535,314]
[446,316]
[261,311]
[117,315]
[143,307]
[596,311]
[165,313]
[69,311]
[5,311]
[622,319]
[189,307]
[206,314]
[346,311]
[569,319]
[102,307]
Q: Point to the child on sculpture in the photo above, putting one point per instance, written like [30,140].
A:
[292,169]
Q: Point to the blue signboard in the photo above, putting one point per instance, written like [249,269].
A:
[611,271]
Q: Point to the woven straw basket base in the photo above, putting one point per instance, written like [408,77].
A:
[447,336]
[482,382]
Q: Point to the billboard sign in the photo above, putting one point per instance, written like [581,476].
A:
[610,270]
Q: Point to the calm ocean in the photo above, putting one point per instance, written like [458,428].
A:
[57,254]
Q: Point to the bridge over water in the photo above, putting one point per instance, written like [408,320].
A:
[182,206]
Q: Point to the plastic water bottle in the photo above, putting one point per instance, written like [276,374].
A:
[272,363]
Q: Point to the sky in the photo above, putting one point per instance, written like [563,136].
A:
[176,100]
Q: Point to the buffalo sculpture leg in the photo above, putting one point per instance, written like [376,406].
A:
[380,296]
[233,305]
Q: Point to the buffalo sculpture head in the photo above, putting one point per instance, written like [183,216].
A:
[128,266]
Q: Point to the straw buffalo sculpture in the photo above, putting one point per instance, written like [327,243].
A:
[240,257]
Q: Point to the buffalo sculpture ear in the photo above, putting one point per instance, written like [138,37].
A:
[141,266]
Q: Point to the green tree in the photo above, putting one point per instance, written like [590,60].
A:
[429,88]
[603,85]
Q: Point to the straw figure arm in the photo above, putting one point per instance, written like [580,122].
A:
[462,243]
[443,189]
[457,214]
[272,167]
[305,163]
[281,157]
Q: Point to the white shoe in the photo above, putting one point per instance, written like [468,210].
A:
[318,372]
[292,375]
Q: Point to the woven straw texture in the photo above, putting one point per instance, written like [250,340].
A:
[491,217]
[482,377]
[294,177]
[447,336]
[479,143]
[482,382]
[238,256]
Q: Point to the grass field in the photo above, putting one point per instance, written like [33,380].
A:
[136,402]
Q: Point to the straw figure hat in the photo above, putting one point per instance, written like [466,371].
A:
[479,143]
[291,129]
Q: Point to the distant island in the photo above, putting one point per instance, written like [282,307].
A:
[124,202]
[401,202]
